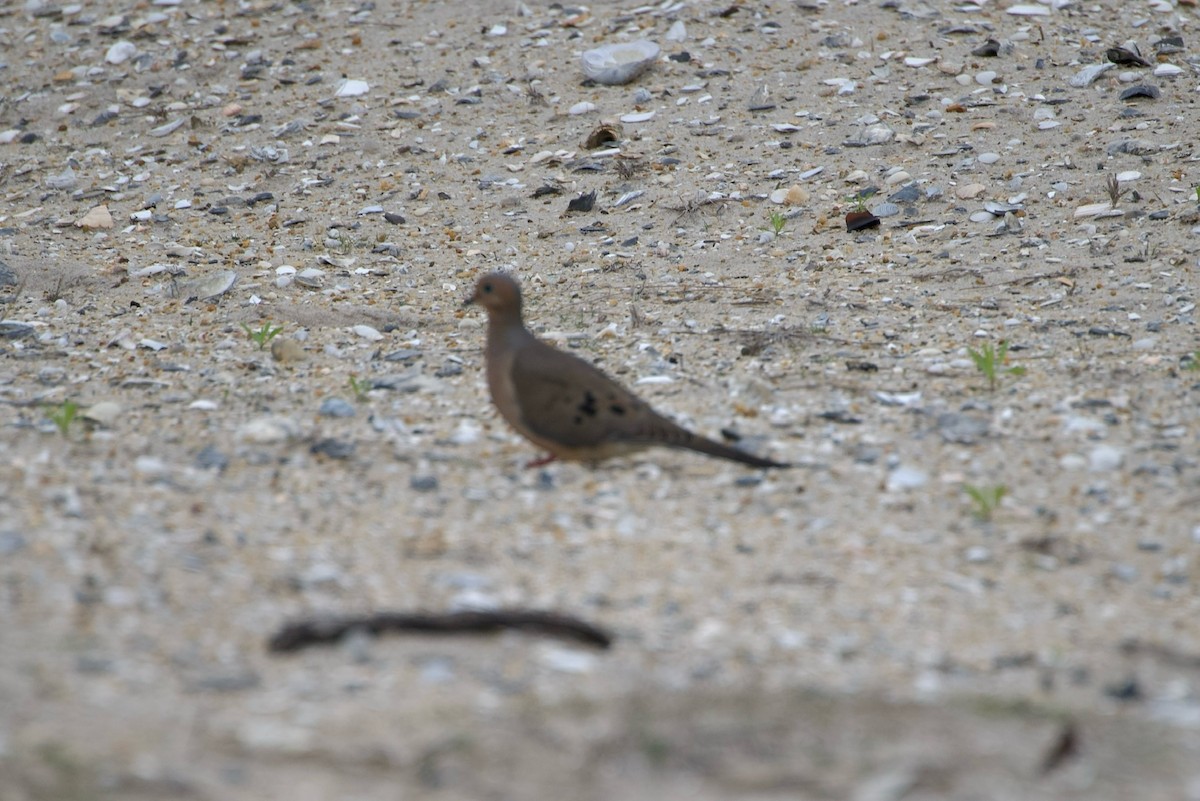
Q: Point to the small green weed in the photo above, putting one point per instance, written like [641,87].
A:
[990,361]
[1192,362]
[63,415]
[777,221]
[263,334]
[986,499]
[359,388]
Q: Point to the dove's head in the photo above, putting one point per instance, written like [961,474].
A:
[498,293]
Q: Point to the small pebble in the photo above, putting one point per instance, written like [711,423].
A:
[336,407]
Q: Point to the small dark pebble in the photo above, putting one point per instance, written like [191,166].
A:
[585,202]
[547,189]
[406,114]
[1161,214]
[7,276]
[1141,90]
[840,416]
[218,210]
[333,448]
[259,198]
[1127,690]
[748,481]
[906,194]
[862,367]
[103,118]
[423,483]
[680,58]
[1169,44]
[449,368]
[211,458]
[28,138]
[989,49]
[1102,331]
[393,218]
[402,355]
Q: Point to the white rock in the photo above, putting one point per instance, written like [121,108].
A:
[677,32]
[582,108]
[120,52]
[906,478]
[268,429]
[1105,458]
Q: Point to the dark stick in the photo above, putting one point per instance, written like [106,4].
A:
[319,631]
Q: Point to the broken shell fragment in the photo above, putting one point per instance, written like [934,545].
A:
[615,64]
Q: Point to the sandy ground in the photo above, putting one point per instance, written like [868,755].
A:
[856,627]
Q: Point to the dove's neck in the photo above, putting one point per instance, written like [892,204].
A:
[506,329]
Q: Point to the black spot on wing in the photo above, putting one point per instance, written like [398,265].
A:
[588,406]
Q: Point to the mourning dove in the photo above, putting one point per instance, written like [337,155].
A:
[565,405]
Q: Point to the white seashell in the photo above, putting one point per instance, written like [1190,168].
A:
[120,52]
[616,64]
[1029,11]
[367,332]
[1167,71]
[105,412]
[208,287]
[1097,210]
[582,108]
[167,128]
[641,116]
[350,87]
[1088,74]
[913,61]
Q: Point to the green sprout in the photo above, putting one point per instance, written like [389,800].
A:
[263,334]
[1192,362]
[777,221]
[63,415]
[989,360]
[359,388]
[859,199]
[986,499]
[1197,188]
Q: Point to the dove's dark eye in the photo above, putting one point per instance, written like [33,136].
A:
[487,288]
